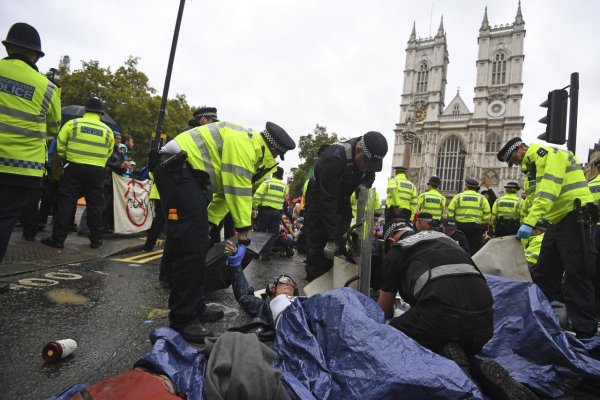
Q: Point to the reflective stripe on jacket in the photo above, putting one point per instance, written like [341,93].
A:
[432,202]
[594,186]
[469,206]
[532,247]
[230,154]
[29,111]
[559,181]
[85,140]
[271,193]
[506,207]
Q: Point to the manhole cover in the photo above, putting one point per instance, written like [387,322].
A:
[16,254]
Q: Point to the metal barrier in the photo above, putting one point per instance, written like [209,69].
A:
[364,213]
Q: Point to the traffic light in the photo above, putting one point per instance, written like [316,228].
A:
[556,117]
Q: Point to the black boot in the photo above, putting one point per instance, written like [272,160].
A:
[210,314]
[453,351]
[49,241]
[497,383]
[193,332]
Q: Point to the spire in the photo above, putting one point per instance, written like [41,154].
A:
[485,24]
[440,32]
[413,34]
[519,18]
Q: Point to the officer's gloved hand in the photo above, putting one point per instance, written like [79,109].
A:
[235,260]
[330,250]
[153,159]
[524,231]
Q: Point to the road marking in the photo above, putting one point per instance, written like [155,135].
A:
[37,282]
[141,258]
[67,276]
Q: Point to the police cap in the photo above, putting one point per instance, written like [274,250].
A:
[25,36]
[400,168]
[94,105]
[512,185]
[374,148]
[508,149]
[449,223]
[393,226]
[427,217]
[208,112]
[434,181]
[278,138]
[471,182]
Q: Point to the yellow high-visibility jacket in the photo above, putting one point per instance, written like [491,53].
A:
[559,181]
[402,193]
[353,202]
[594,186]
[469,206]
[271,193]
[231,155]
[29,111]
[507,207]
[85,140]
[432,202]
[532,247]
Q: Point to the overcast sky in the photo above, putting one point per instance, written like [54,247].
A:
[338,63]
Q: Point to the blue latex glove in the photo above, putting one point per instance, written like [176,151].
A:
[236,259]
[524,231]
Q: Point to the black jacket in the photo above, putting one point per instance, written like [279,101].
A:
[335,178]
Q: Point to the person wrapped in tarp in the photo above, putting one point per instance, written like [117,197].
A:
[451,304]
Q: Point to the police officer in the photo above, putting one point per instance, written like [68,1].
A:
[340,168]
[223,161]
[450,229]
[268,200]
[432,201]
[505,211]
[533,244]
[567,249]
[85,144]
[471,211]
[29,111]
[401,196]
[594,186]
[450,303]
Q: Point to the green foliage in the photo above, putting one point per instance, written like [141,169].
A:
[128,99]
[309,146]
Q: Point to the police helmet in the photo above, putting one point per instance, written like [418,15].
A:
[25,36]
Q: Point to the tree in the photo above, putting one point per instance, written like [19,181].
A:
[309,146]
[128,99]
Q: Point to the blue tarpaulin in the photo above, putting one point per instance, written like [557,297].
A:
[336,345]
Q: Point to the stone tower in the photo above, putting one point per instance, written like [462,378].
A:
[452,142]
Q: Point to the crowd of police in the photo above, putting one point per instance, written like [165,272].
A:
[215,170]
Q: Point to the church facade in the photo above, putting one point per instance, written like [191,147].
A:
[452,141]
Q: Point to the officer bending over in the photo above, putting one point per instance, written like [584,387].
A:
[451,304]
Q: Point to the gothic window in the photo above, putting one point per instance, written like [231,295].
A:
[451,165]
[492,143]
[422,78]
[499,69]
[456,109]
[417,147]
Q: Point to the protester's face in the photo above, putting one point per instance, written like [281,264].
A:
[129,143]
[449,231]
[117,140]
[284,288]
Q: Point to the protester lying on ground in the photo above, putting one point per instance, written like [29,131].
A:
[451,304]
[279,295]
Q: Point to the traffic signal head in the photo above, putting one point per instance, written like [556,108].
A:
[556,117]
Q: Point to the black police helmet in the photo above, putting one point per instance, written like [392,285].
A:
[95,105]
[25,36]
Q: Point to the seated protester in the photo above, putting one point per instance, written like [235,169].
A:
[449,228]
[424,222]
[300,235]
[278,295]
[450,303]
[284,242]
[533,244]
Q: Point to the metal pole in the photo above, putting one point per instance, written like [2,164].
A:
[574,100]
[365,199]
[163,102]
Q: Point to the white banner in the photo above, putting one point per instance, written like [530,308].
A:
[132,207]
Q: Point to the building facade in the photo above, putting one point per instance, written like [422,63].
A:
[452,141]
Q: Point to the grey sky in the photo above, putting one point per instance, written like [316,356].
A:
[338,63]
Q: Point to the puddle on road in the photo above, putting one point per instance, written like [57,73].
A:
[66,296]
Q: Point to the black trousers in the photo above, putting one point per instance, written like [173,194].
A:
[157,226]
[561,255]
[268,221]
[229,230]
[317,237]
[29,215]
[49,193]
[12,201]
[474,234]
[506,227]
[79,180]
[187,240]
